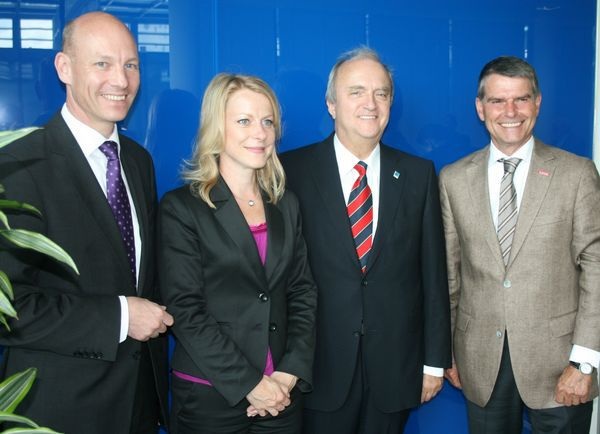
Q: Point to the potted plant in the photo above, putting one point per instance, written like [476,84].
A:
[15,388]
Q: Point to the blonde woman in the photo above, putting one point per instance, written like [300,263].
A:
[234,273]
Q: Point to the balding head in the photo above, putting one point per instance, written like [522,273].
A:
[86,23]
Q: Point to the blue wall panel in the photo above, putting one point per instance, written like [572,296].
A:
[435,49]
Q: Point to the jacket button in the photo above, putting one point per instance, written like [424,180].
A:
[136,355]
[272,327]
[507,283]
[263,297]
[364,282]
[498,334]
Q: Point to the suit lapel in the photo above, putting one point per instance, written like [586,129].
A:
[232,220]
[327,179]
[541,171]
[391,188]
[136,189]
[275,239]
[84,181]
[477,176]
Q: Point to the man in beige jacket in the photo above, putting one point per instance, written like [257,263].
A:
[522,226]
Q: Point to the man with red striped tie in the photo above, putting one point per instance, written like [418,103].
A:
[371,219]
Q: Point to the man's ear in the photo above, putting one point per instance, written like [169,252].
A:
[479,107]
[62,63]
[331,108]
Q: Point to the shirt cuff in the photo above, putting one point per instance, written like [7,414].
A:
[434,372]
[124,318]
[581,354]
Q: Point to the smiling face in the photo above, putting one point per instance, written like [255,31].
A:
[249,132]
[100,68]
[509,110]
[362,104]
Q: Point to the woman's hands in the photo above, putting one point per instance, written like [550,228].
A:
[271,395]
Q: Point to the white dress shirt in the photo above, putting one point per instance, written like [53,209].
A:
[346,161]
[495,172]
[90,140]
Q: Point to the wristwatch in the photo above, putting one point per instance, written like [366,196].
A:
[584,367]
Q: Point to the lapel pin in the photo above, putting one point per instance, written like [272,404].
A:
[396,174]
[543,172]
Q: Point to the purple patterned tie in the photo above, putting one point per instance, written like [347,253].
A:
[118,201]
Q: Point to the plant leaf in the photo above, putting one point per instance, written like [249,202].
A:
[4,220]
[19,206]
[5,285]
[41,430]
[9,417]
[11,135]
[6,306]
[4,323]
[14,389]
[38,242]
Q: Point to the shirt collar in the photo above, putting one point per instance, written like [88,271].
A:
[88,138]
[524,153]
[346,160]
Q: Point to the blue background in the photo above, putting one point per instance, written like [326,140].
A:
[435,48]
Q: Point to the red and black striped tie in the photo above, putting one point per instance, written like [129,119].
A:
[360,212]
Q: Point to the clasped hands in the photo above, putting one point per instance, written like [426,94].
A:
[271,395]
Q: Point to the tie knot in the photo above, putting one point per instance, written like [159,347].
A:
[361,168]
[510,164]
[109,148]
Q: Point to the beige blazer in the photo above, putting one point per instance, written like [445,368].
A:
[548,297]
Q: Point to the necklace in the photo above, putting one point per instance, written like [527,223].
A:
[250,202]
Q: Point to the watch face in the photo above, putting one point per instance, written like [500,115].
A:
[586,368]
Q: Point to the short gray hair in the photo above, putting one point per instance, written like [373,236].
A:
[508,66]
[358,53]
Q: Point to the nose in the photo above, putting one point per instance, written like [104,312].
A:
[260,131]
[510,108]
[119,77]
[370,101]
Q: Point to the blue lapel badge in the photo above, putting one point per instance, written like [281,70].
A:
[396,174]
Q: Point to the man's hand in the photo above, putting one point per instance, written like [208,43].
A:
[431,386]
[452,376]
[573,387]
[268,396]
[147,319]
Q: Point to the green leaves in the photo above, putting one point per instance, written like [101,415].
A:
[12,392]
[11,135]
[14,389]
[38,242]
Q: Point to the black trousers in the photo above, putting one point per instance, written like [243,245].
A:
[503,414]
[358,414]
[200,409]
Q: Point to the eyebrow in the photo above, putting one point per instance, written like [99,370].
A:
[497,98]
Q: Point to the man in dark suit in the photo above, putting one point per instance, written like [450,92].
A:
[94,337]
[383,329]
[522,224]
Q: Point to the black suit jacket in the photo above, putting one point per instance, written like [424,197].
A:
[68,326]
[400,306]
[228,307]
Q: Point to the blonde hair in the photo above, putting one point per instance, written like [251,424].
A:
[202,171]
